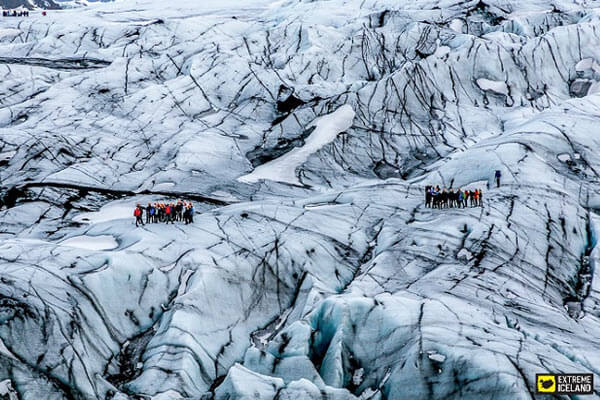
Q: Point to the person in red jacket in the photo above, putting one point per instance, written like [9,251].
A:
[137,213]
[170,213]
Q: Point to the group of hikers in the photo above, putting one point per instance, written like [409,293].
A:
[164,212]
[442,198]
[15,13]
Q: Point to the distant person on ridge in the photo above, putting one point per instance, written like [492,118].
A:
[498,176]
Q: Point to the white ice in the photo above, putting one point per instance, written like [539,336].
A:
[101,242]
[7,155]
[112,211]
[498,87]
[283,169]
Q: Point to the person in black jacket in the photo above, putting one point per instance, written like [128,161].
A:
[498,175]
[428,196]
[179,211]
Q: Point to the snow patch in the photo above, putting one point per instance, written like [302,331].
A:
[163,186]
[109,212]
[7,155]
[283,169]
[497,87]
[434,356]
[457,25]
[102,242]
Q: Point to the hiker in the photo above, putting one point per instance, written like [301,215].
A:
[170,213]
[461,198]
[179,211]
[137,213]
[167,213]
[444,198]
[173,212]
[428,196]
[480,198]
[188,213]
[435,197]
[149,213]
[191,213]
[161,212]
[498,176]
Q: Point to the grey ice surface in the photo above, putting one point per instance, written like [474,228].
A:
[304,132]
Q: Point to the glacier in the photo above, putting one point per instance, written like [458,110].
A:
[304,131]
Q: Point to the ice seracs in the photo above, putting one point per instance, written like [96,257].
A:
[6,389]
[313,268]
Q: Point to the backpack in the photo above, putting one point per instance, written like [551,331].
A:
[137,212]
[168,210]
